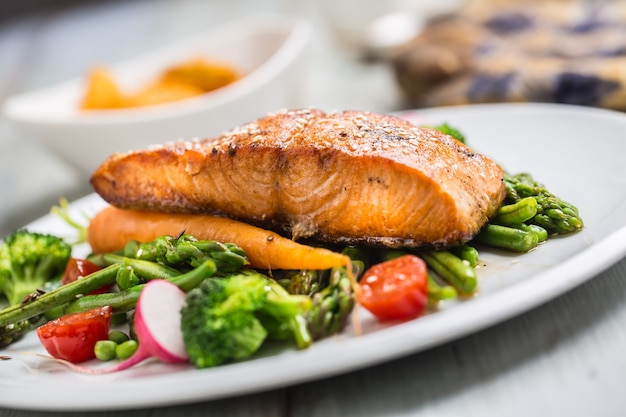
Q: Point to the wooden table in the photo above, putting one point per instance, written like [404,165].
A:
[565,358]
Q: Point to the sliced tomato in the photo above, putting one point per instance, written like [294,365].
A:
[77,268]
[395,289]
[73,337]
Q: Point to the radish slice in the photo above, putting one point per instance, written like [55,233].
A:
[157,323]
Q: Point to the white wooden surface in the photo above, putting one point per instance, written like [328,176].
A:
[565,358]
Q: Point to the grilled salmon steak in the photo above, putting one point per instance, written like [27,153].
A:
[346,177]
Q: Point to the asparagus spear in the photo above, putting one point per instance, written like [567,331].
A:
[554,214]
[305,282]
[452,269]
[187,251]
[15,314]
[331,306]
[15,331]
[334,300]
[126,300]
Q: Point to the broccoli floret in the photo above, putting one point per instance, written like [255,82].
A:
[28,260]
[228,319]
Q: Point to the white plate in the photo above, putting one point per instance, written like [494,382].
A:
[568,148]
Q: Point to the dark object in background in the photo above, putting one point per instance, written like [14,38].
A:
[560,51]
[15,9]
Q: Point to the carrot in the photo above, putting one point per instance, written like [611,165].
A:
[112,228]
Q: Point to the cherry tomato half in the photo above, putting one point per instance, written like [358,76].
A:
[395,289]
[78,268]
[73,337]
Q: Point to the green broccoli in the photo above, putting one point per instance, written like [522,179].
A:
[29,260]
[450,131]
[228,318]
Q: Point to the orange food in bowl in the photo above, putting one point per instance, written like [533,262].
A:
[178,82]
[198,72]
[102,91]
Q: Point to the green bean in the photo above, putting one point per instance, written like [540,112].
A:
[438,292]
[452,269]
[542,234]
[509,238]
[467,253]
[516,213]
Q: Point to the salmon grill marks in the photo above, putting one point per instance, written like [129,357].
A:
[344,177]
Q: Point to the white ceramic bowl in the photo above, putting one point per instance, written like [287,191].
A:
[268,49]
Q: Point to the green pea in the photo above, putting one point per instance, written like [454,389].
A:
[118,336]
[105,350]
[126,349]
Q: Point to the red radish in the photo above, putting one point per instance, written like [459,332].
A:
[157,322]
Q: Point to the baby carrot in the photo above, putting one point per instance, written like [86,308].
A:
[112,228]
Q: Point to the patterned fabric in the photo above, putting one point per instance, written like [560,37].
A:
[560,51]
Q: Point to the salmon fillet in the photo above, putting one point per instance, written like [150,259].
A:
[345,177]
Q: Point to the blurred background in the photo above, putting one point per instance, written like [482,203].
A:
[363,55]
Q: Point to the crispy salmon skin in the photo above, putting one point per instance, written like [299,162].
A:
[346,177]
